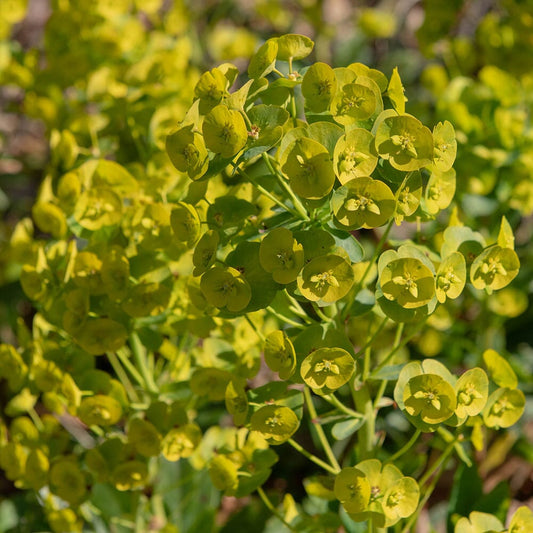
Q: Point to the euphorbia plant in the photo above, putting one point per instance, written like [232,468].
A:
[274,244]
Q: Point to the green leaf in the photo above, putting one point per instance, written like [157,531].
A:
[345,429]
[264,60]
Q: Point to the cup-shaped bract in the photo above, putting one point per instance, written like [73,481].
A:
[472,389]
[352,489]
[362,203]
[445,146]
[478,523]
[185,223]
[318,87]
[494,268]
[400,500]
[205,252]
[504,408]
[326,278]
[181,441]
[308,166]
[396,92]
[186,149]
[405,142]
[354,155]
[50,219]
[430,397]
[144,437]
[12,366]
[327,368]
[236,402]
[37,467]
[353,102]
[100,335]
[226,287]
[275,423]
[128,476]
[451,277]
[146,299]
[279,354]
[522,520]
[210,89]
[211,382]
[98,207]
[408,282]
[408,196]
[281,255]
[68,481]
[224,131]
[99,410]
[224,473]
[440,191]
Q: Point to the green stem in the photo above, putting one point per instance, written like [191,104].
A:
[431,487]
[372,338]
[333,400]
[312,457]
[364,404]
[320,432]
[381,390]
[130,367]
[355,291]
[139,356]
[302,211]
[285,319]
[268,194]
[405,447]
[273,510]
[399,347]
[36,419]
[255,328]
[320,314]
[122,376]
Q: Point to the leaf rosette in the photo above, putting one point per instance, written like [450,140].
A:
[308,166]
[405,142]
[281,255]
[326,278]
[362,203]
[327,369]
[275,423]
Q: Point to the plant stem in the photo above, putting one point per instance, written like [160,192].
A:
[320,432]
[130,367]
[285,319]
[400,346]
[372,338]
[272,509]
[431,487]
[268,194]
[312,457]
[405,447]
[139,356]
[333,400]
[122,376]
[283,182]
[255,328]
[363,403]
